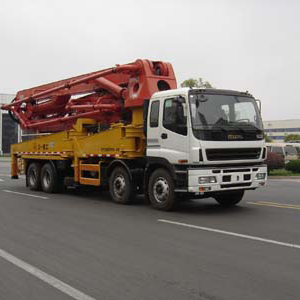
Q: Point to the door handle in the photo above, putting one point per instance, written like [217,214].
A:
[164,136]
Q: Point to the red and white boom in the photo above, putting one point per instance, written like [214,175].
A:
[103,95]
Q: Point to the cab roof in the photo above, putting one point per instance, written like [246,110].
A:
[187,90]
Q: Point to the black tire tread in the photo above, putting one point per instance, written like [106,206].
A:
[171,203]
[130,193]
[37,167]
[229,199]
[54,185]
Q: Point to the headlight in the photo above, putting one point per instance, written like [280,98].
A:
[260,176]
[207,179]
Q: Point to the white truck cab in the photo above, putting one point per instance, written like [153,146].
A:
[210,140]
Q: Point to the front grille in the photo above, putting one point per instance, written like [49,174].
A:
[227,178]
[227,186]
[236,170]
[247,177]
[232,154]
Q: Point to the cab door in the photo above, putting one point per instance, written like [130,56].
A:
[153,129]
[174,135]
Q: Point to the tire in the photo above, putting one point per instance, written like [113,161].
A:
[49,179]
[33,176]
[229,199]
[121,188]
[161,190]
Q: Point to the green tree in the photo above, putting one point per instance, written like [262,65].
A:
[268,139]
[198,83]
[292,137]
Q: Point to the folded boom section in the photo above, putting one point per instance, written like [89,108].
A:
[107,96]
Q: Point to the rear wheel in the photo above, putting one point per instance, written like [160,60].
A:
[161,190]
[33,176]
[230,198]
[121,188]
[49,179]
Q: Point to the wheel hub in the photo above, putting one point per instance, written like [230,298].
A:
[119,185]
[161,190]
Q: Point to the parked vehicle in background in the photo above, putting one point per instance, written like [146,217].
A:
[276,148]
[289,151]
[297,147]
[274,161]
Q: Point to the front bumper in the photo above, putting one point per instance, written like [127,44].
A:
[233,178]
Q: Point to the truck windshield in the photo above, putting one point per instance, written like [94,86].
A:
[218,117]
[227,111]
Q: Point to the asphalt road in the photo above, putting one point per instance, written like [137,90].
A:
[80,245]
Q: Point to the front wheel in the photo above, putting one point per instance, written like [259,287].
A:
[121,188]
[228,199]
[161,190]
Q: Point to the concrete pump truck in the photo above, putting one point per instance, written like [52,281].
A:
[129,129]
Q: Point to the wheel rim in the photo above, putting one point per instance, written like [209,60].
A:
[46,179]
[119,185]
[161,190]
[32,178]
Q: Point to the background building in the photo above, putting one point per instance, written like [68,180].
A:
[9,130]
[279,129]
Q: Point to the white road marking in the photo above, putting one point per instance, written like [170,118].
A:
[54,282]
[245,236]
[8,175]
[1,180]
[24,194]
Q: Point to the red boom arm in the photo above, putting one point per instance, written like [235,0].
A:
[103,95]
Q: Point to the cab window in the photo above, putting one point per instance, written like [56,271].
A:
[174,118]
[154,114]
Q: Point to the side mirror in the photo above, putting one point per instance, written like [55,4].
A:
[179,99]
[258,102]
[179,113]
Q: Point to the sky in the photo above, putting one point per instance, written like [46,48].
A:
[234,44]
